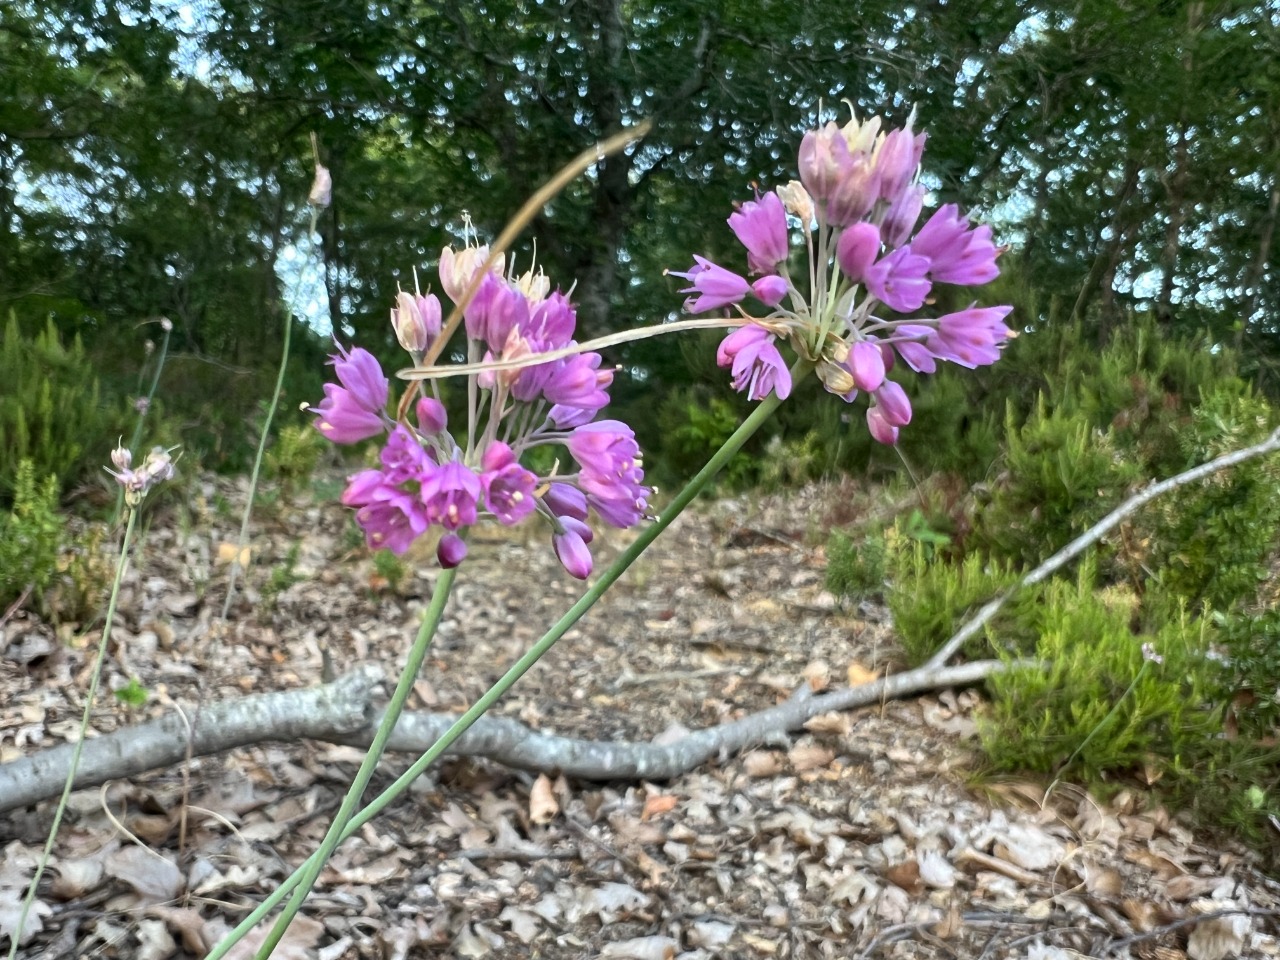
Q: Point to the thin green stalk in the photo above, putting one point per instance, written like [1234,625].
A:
[121,564]
[142,414]
[1115,707]
[257,465]
[521,666]
[311,869]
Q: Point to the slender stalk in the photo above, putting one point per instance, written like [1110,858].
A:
[521,666]
[1115,708]
[257,463]
[337,830]
[16,936]
[142,413]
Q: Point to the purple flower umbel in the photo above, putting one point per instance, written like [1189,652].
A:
[859,190]
[427,477]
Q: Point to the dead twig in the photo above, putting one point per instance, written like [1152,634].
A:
[345,712]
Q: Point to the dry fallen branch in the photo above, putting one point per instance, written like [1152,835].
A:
[345,712]
[1096,533]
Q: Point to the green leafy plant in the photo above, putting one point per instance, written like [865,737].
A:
[1095,702]
[284,574]
[1214,541]
[856,568]
[694,427]
[30,535]
[391,569]
[1060,476]
[133,693]
[292,460]
[50,412]
[932,596]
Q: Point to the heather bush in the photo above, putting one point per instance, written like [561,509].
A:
[50,411]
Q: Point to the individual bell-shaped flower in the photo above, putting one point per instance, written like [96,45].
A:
[761,226]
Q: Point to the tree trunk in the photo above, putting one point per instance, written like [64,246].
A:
[1110,252]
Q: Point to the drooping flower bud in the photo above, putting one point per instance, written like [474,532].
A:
[866,363]
[432,419]
[857,249]
[451,551]
[770,290]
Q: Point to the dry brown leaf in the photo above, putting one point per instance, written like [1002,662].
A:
[817,674]
[906,875]
[833,721]
[1103,883]
[641,948]
[1162,867]
[950,925]
[810,757]
[75,878]
[298,942]
[762,763]
[657,804]
[858,674]
[1141,913]
[1186,887]
[543,806]
[152,875]
[761,945]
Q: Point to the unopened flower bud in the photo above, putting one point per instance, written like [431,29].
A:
[824,160]
[881,430]
[451,551]
[857,249]
[122,458]
[770,290]
[866,364]
[166,324]
[432,418]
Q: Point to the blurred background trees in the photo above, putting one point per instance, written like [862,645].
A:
[155,159]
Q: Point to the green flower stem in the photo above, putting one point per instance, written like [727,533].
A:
[1115,708]
[121,564]
[695,486]
[142,414]
[257,464]
[337,830]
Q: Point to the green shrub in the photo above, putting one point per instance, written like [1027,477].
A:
[694,428]
[1090,704]
[1213,540]
[1060,476]
[50,413]
[30,534]
[856,568]
[931,597]
[293,458]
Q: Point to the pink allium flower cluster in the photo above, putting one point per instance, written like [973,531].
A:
[427,478]
[157,467]
[869,271]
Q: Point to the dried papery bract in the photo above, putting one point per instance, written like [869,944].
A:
[870,271]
